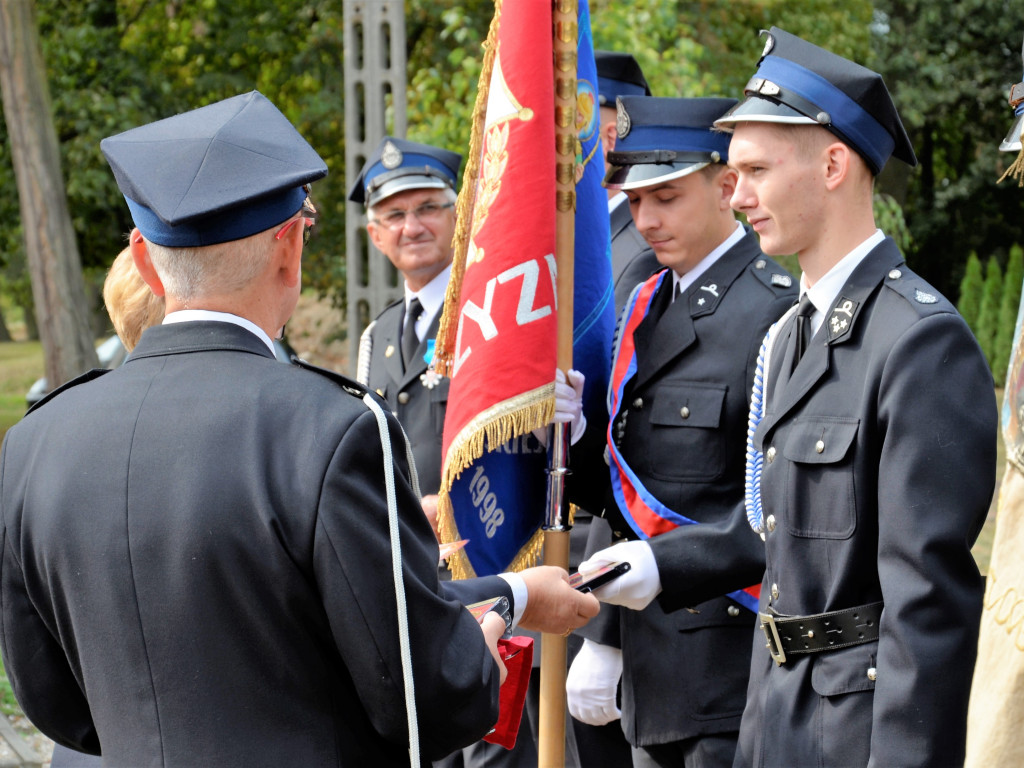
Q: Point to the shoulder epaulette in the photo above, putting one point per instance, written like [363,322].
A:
[88,376]
[772,275]
[918,293]
[351,386]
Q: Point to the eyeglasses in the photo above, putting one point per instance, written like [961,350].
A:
[427,213]
[308,220]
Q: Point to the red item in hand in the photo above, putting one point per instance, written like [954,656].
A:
[517,653]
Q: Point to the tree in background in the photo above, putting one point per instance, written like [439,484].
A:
[1006,325]
[115,64]
[972,286]
[949,65]
[988,314]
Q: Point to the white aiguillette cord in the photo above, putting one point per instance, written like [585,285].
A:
[396,567]
[754,457]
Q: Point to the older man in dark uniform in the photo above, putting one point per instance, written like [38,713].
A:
[870,474]
[688,343]
[409,193]
[201,574]
[633,260]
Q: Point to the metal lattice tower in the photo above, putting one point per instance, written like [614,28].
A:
[375,80]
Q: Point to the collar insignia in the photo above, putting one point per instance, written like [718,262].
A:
[840,321]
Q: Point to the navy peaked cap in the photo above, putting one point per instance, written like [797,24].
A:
[398,165]
[618,74]
[660,139]
[215,174]
[799,83]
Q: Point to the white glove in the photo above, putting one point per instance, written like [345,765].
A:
[634,589]
[568,406]
[592,682]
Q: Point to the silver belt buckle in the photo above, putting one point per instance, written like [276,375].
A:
[771,632]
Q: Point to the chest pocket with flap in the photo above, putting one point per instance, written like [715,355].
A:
[685,440]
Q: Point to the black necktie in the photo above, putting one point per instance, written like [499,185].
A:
[791,349]
[802,331]
[410,341]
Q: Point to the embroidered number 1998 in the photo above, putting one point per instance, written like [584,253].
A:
[491,515]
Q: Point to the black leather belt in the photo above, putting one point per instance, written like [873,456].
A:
[788,635]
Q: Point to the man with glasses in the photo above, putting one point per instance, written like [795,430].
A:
[409,193]
[199,547]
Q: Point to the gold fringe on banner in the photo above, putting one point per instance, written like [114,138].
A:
[494,427]
[444,350]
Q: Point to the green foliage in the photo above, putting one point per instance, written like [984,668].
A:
[949,66]
[1008,310]
[988,315]
[889,218]
[971,289]
[115,64]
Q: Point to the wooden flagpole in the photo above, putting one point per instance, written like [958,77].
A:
[551,730]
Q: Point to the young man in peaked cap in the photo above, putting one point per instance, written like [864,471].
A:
[687,346]
[195,576]
[869,478]
[619,74]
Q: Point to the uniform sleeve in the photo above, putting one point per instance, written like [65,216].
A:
[41,677]
[699,562]
[937,420]
[456,679]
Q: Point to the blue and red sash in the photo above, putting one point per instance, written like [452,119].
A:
[647,516]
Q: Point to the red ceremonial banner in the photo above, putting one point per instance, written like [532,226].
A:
[497,340]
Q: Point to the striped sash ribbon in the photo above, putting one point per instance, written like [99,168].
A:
[643,512]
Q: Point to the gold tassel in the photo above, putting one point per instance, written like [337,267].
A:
[1016,170]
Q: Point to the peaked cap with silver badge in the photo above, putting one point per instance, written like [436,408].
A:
[799,83]
[398,165]
[660,139]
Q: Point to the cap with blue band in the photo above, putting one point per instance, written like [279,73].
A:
[799,83]
[660,139]
[398,165]
[618,74]
[215,174]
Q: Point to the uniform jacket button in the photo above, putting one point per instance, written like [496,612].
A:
[819,446]
[638,403]
[732,610]
[872,673]
[403,398]
[775,591]
[770,523]
[684,412]
[770,454]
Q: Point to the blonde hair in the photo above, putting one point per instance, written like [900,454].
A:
[132,306]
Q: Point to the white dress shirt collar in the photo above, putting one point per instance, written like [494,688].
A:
[191,315]
[431,296]
[824,293]
[682,282]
